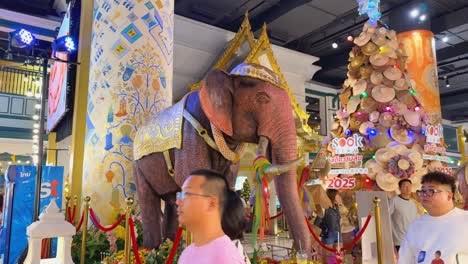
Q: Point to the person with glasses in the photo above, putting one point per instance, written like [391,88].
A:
[444,228]
[402,211]
[206,205]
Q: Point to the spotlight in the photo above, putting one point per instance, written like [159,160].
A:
[422,18]
[445,39]
[414,13]
[447,82]
[64,44]
[334,45]
[22,38]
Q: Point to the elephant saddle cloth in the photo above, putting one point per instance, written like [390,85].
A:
[162,132]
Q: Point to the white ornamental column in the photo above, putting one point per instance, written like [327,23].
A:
[130,80]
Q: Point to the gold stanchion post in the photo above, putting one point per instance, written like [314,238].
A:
[75,202]
[188,237]
[461,143]
[67,204]
[378,230]
[84,229]
[128,213]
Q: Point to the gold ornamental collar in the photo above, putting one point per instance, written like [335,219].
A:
[258,72]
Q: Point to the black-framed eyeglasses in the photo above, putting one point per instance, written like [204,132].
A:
[182,195]
[428,192]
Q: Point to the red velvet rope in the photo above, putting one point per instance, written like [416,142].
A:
[465,207]
[346,247]
[134,242]
[105,229]
[249,216]
[74,213]
[317,238]
[358,236]
[81,222]
[69,214]
[174,246]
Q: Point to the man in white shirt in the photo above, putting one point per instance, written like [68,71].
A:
[403,211]
[443,230]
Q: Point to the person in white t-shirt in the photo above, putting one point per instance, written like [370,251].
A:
[402,211]
[443,230]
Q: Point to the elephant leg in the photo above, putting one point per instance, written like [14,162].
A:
[150,209]
[170,222]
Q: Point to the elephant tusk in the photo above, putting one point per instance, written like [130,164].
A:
[262,145]
[275,170]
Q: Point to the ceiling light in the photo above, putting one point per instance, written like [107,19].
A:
[22,38]
[447,82]
[64,44]
[37,106]
[422,17]
[37,95]
[334,45]
[350,38]
[445,39]
[27,162]
[35,117]
[414,13]
[36,126]
[25,78]
[35,131]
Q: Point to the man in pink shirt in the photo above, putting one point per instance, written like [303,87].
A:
[200,207]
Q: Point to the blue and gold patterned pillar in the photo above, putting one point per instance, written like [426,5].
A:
[130,80]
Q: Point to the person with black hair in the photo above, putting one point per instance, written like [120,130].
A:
[444,228]
[211,211]
[402,211]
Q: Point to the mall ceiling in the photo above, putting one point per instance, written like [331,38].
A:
[311,26]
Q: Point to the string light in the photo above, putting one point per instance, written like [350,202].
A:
[372,131]
[388,108]
[417,108]
[412,91]
[373,157]
[364,95]
[350,38]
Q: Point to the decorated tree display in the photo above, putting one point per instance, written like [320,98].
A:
[381,123]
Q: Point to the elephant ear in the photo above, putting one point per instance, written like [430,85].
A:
[216,99]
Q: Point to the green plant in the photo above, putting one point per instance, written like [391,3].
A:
[96,242]
[159,256]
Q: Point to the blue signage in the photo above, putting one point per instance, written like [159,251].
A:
[20,184]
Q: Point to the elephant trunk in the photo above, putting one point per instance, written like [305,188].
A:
[284,151]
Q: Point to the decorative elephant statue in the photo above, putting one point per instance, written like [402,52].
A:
[462,176]
[247,106]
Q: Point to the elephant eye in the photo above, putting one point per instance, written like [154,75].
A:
[262,98]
